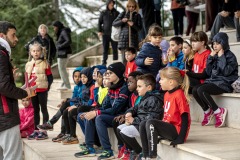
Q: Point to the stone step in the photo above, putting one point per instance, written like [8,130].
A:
[96,60]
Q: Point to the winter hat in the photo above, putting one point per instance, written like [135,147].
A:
[58,24]
[99,67]
[102,71]
[221,38]
[118,68]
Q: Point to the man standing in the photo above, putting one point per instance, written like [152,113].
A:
[10,144]
[64,51]
[104,29]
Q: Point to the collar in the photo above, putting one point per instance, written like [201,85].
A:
[174,89]
[6,45]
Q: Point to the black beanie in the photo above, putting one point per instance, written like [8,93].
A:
[118,68]
[58,24]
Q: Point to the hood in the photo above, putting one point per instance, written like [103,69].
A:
[221,38]
[99,67]
[109,1]
[88,72]
[78,69]
[68,30]
[6,45]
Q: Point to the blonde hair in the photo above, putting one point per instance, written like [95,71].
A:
[175,74]
[42,25]
[42,49]
[134,3]
[192,53]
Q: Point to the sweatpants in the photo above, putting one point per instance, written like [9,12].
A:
[150,131]
[202,93]
[11,144]
[115,126]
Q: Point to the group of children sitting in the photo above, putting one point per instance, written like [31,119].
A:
[138,105]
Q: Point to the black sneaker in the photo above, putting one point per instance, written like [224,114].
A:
[46,126]
[56,139]
[107,154]
[42,135]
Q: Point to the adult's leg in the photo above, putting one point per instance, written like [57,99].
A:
[114,49]
[155,128]
[237,26]
[62,68]
[11,144]
[105,41]
[194,21]
[35,103]
[211,13]
[42,98]
[175,21]
[189,18]
[181,13]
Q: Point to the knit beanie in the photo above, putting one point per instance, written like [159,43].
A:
[118,68]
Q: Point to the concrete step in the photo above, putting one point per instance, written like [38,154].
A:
[96,60]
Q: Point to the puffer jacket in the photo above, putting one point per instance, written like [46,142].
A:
[106,19]
[9,93]
[63,44]
[150,107]
[124,34]
[223,70]
[27,119]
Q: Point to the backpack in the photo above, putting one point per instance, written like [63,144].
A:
[236,86]
[115,34]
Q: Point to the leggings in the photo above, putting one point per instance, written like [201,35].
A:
[149,132]
[202,93]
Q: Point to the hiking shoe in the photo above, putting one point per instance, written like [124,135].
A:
[126,155]
[107,154]
[121,151]
[63,138]
[220,117]
[46,126]
[207,118]
[133,155]
[70,140]
[42,135]
[33,135]
[87,152]
[56,139]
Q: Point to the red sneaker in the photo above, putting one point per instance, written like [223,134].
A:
[126,155]
[121,152]
[220,117]
[207,118]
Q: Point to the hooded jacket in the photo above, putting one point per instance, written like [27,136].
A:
[106,19]
[9,93]
[27,119]
[223,70]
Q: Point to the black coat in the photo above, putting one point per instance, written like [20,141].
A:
[63,44]
[9,93]
[149,107]
[124,34]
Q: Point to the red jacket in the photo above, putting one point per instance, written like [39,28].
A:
[130,67]
[27,119]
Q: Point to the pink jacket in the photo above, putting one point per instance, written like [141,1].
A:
[27,119]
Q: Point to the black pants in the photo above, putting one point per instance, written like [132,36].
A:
[192,22]
[178,15]
[115,125]
[202,93]
[193,82]
[40,100]
[149,132]
[106,40]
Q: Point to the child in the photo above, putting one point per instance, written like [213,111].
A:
[101,119]
[149,107]
[222,69]
[149,58]
[176,120]
[77,94]
[130,55]
[26,118]
[175,54]
[38,67]
[188,55]
[133,100]
[197,75]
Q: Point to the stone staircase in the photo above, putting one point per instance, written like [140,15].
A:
[204,143]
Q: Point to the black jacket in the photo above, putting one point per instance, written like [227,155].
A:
[9,93]
[63,43]
[223,70]
[106,19]
[124,34]
[45,42]
[149,107]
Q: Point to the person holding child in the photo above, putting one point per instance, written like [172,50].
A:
[130,56]
[149,107]
[176,120]
[26,118]
[149,58]
[222,71]
[39,67]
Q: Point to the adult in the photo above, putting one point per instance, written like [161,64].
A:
[10,144]
[178,12]
[104,30]
[228,17]
[130,23]
[46,41]
[64,51]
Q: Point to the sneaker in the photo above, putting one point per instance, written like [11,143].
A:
[42,135]
[126,155]
[107,154]
[87,152]
[70,140]
[63,138]
[133,155]
[207,118]
[33,135]
[139,156]
[56,139]
[121,151]
[82,146]
[220,117]
[46,126]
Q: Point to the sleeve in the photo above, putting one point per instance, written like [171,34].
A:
[202,75]
[67,41]
[209,65]
[95,92]
[29,121]
[49,77]
[100,22]
[7,88]
[91,99]
[227,65]
[137,24]
[118,21]
[141,57]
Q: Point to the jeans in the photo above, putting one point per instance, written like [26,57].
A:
[62,68]
[106,40]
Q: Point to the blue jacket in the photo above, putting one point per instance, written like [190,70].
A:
[151,51]
[178,62]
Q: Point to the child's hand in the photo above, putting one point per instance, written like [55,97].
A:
[122,119]
[82,116]
[130,23]
[31,91]
[58,106]
[90,115]
[148,61]
[213,53]
[220,53]
[124,20]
